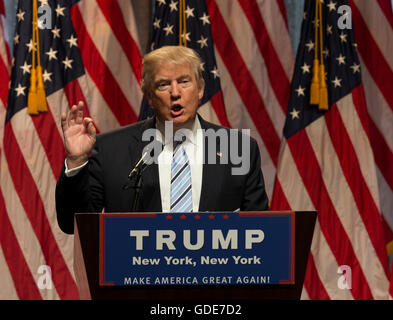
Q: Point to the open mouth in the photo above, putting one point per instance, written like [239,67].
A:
[177,110]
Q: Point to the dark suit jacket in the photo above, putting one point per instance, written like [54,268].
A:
[99,184]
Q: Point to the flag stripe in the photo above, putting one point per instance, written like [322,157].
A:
[340,196]
[283,10]
[74,94]
[386,8]
[127,11]
[119,67]
[25,286]
[312,277]
[326,267]
[330,223]
[361,137]
[243,36]
[317,289]
[298,197]
[282,204]
[382,152]
[239,117]
[278,80]
[113,14]
[8,291]
[378,110]
[349,161]
[34,208]
[246,86]
[374,58]
[375,20]
[383,156]
[22,226]
[102,114]
[5,80]
[51,140]
[96,67]
[34,153]
[217,103]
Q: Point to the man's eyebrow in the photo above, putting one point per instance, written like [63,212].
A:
[163,79]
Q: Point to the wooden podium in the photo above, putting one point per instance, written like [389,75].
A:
[86,267]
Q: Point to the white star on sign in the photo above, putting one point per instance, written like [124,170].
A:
[30,45]
[67,63]
[355,68]
[215,72]
[16,38]
[203,42]
[26,67]
[343,37]
[52,54]
[205,19]
[21,15]
[337,82]
[295,114]
[189,12]
[332,6]
[306,68]
[340,59]
[300,91]
[72,41]
[60,10]
[20,90]
[310,45]
[187,36]
[173,5]
[168,29]
[47,76]
[156,23]
[56,32]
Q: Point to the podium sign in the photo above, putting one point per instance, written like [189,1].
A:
[161,249]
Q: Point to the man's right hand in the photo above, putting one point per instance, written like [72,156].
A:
[79,136]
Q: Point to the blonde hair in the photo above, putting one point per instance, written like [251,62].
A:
[169,55]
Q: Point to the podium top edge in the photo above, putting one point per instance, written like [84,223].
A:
[198,212]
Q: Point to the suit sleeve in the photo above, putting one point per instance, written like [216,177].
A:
[255,197]
[81,193]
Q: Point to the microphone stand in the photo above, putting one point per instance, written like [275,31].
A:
[137,187]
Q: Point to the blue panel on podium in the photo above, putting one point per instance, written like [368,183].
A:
[155,249]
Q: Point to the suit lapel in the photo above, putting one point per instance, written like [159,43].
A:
[211,175]
[150,196]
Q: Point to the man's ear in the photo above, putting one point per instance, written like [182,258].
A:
[201,91]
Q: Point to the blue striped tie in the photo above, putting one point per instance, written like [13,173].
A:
[181,191]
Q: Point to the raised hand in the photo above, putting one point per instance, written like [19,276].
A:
[79,136]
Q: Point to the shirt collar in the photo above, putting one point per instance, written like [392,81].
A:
[190,133]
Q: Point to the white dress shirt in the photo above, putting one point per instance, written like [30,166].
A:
[193,146]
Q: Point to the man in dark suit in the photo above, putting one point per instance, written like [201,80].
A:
[201,172]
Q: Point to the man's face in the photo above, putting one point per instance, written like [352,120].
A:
[175,94]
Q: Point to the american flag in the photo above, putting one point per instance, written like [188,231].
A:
[327,164]
[33,153]
[245,62]
[373,23]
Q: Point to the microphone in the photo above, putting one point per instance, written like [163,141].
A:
[140,165]
[145,160]
[138,168]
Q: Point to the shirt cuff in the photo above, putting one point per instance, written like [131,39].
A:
[74,171]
